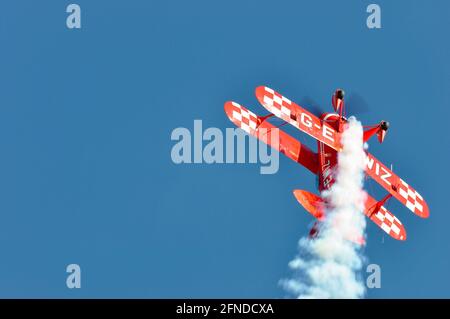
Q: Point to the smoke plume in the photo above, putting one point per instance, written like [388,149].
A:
[329,265]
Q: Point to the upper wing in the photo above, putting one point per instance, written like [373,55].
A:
[396,186]
[271,135]
[385,220]
[295,115]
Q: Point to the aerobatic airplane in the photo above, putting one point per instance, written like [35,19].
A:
[327,130]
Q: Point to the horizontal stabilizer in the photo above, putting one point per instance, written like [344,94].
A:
[384,219]
[312,203]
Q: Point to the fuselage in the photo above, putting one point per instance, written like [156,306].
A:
[328,156]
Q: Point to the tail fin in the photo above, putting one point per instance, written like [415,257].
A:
[376,212]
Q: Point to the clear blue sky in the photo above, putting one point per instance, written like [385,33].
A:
[86,115]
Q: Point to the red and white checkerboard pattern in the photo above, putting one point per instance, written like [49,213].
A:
[279,105]
[244,118]
[413,200]
[389,223]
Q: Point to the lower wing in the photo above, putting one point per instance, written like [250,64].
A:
[271,135]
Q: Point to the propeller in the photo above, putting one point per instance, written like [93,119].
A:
[312,106]
[356,104]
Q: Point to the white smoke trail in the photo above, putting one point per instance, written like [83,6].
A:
[329,265]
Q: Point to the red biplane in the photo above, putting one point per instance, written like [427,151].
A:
[327,131]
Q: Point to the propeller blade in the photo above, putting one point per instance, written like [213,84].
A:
[312,106]
[356,104]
